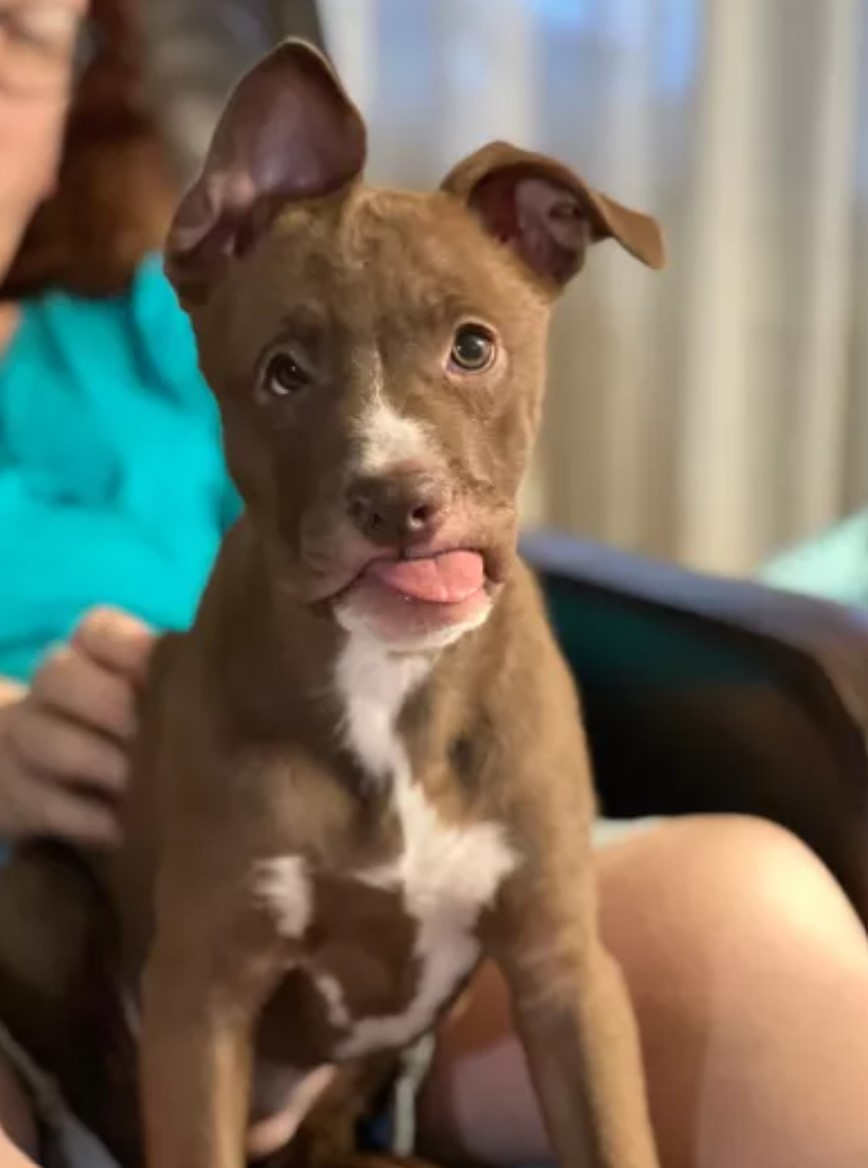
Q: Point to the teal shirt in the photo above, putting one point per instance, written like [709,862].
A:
[112,483]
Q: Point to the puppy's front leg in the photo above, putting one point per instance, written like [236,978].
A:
[199,1006]
[195,1072]
[571,1008]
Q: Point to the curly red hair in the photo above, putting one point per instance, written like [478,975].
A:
[114,196]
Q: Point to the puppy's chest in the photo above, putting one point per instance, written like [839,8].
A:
[393,942]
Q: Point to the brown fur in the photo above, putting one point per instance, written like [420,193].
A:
[241,756]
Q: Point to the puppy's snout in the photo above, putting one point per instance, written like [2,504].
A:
[403,510]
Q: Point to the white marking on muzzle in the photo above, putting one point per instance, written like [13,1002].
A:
[388,438]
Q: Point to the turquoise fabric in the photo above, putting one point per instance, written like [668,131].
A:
[833,566]
[112,483]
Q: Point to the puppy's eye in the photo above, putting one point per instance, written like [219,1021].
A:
[284,376]
[473,349]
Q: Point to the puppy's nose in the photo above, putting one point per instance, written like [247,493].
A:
[404,510]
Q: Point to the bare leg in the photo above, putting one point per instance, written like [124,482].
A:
[749,971]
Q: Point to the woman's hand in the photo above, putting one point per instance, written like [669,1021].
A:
[64,742]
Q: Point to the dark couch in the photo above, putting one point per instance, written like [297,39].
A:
[706,695]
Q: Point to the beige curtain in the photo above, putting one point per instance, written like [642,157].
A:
[720,410]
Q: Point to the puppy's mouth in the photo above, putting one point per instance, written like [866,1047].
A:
[420,598]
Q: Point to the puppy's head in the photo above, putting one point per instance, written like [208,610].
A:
[378,357]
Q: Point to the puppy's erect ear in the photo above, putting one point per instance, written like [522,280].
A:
[547,214]
[288,132]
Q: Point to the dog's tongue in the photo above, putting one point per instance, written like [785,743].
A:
[445,579]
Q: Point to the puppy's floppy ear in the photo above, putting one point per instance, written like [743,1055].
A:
[546,213]
[288,132]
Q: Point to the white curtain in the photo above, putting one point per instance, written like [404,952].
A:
[720,410]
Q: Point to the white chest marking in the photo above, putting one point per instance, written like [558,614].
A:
[284,885]
[447,874]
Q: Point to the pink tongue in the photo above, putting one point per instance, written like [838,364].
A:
[445,579]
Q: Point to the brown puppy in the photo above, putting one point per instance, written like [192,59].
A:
[365,766]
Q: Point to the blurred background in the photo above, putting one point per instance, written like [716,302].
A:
[714,413]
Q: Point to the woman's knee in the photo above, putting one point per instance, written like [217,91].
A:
[723,884]
[733,938]
[749,971]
